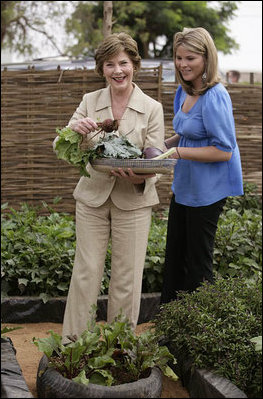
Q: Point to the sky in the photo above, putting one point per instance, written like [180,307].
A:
[245,28]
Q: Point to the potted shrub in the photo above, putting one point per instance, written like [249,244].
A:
[214,329]
[107,360]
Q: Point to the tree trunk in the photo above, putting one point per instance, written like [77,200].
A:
[107,18]
[145,50]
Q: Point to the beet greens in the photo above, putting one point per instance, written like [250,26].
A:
[68,146]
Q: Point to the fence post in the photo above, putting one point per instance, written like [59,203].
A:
[251,78]
[160,75]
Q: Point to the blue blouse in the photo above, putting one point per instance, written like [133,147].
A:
[209,122]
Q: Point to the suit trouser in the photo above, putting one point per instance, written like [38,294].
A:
[129,232]
[189,247]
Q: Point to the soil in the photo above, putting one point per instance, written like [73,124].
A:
[28,355]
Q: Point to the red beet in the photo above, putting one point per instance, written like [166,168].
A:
[151,152]
[108,125]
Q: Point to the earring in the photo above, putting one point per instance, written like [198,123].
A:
[204,77]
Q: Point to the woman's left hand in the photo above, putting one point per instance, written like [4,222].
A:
[131,176]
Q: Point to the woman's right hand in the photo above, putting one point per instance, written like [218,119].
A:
[84,126]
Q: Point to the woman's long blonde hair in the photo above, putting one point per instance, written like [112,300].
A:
[199,41]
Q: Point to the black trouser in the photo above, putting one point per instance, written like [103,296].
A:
[189,247]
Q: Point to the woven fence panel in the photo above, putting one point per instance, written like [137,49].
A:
[247,104]
[34,104]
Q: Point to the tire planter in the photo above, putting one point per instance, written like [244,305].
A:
[51,384]
[13,384]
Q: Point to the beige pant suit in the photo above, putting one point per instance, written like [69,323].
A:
[111,207]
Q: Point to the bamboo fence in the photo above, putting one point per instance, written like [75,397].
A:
[35,103]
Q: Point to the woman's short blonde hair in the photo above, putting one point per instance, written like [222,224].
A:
[199,41]
[114,44]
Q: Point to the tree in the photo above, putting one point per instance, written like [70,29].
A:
[107,21]
[151,23]
[19,19]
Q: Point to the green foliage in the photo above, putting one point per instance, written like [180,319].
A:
[214,326]
[238,243]
[106,354]
[38,251]
[68,148]
[147,21]
[112,146]
[154,261]
[21,19]
[251,200]
[86,28]
[6,330]
[258,343]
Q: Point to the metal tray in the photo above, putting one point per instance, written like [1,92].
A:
[142,166]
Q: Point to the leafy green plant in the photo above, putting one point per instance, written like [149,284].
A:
[106,354]
[6,330]
[250,200]
[258,343]
[238,244]
[213,326]
[238,241]
[68,148]
[155,254]
[38,251]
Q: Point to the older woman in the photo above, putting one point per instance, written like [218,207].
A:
[208,169]
[116,205]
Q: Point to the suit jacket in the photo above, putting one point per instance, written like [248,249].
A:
[143,121]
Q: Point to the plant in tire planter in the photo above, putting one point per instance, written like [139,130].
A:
[107,359]
[215,327]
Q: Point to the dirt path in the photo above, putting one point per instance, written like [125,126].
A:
[28,355]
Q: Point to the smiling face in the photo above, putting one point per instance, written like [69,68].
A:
[118,71]
[191,66]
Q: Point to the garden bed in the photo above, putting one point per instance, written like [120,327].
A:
[28,357]
[33,309]
[199,383]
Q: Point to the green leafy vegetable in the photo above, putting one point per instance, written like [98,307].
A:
[7,329]
[107,354]
[68,148]
[113,146]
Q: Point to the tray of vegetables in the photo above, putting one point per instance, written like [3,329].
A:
[110,152]
[139,166]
